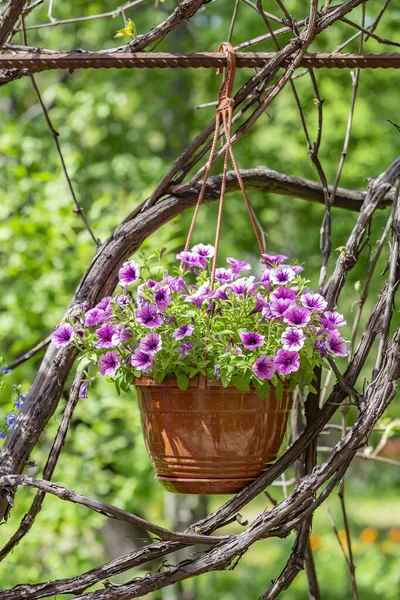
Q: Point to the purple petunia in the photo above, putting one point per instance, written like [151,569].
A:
[314,302]
[123,334]
[297,316]
[297,269]
[280,307]
[293,339]
[200,296]
[83,389]
[330,320]
[286,361]
[259,305]
[148,316]
[105,304]
[177,284]
[204,250]
[266,279]
[224,275]
[217,370]
[238,265]
[220,293]
[252,340]
[282,275]
[192,260]
[243,286]
[336,345]
[109,364]
[63,335]
[272,260]
[122,300]
[151,344]
[266,313]
[185,349]
[283,293]
[183,331]
[264,367]
[320,345]
[106,333]
[95,316]
[162,298]
[143,361]
[128,273]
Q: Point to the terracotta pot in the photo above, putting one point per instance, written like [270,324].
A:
[210,439]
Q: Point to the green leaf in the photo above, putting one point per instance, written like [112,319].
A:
[240,383]
[312,389]
[182,381]
[117,387]
[262,389]
[83,363]
[225,380]
[128,31]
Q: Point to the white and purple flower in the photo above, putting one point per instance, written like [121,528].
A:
[252,340]
[272,260]
[297,316]
[330,320]
[293,339]
[63,335]
[151,343]
[185,349]
[192,260]
[185,330]
[142,361]
[336,345]
[238,265]
[128,273]
[224,275]
[313,302]
[282,275]
[105,334]
[243,286]
[95,316]
[148,316]
[204,250]
[162,298]
[109,364]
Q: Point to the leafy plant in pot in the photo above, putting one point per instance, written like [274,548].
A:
[214,369]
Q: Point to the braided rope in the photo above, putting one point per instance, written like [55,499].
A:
[42,61]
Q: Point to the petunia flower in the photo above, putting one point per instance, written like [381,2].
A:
[266,313]
[122,300]
[151,343]
[106,333]
[63,335]
[123,334]
[259,305]
[280,307]
[143,361]
[283,293]
[320,345]
[204,250]
[282,275]
[287,361]
[336,345]
[83,389]
[272,260]
[238,265]
[264,367]
[162,298]
[221,292]
[183,331]
[199,297]
[128,273]
[192,260]
[243,286]
[105,304]
[224,275]
[252,340]
[185,349]
[217,370]
[330,320]
[177,284]
[109,364]
[95,316]
[148,316]
[293,338]
[314,302]
[297,316]
[297,269]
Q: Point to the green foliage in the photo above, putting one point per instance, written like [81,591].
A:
[120,131]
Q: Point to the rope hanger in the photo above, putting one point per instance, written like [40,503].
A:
[224,111]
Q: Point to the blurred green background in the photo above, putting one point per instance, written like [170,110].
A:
[120,130]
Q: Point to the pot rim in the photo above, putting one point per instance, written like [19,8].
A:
[199,382]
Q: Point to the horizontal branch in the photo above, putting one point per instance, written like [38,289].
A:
[11,481]
[38,61]
[267,180]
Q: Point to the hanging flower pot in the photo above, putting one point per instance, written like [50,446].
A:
[214,352]
[209,439]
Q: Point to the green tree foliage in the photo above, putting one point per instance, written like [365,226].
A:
[119,131]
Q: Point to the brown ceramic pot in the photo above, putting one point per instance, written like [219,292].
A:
[209,439]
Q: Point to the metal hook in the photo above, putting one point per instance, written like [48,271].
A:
[224,99]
